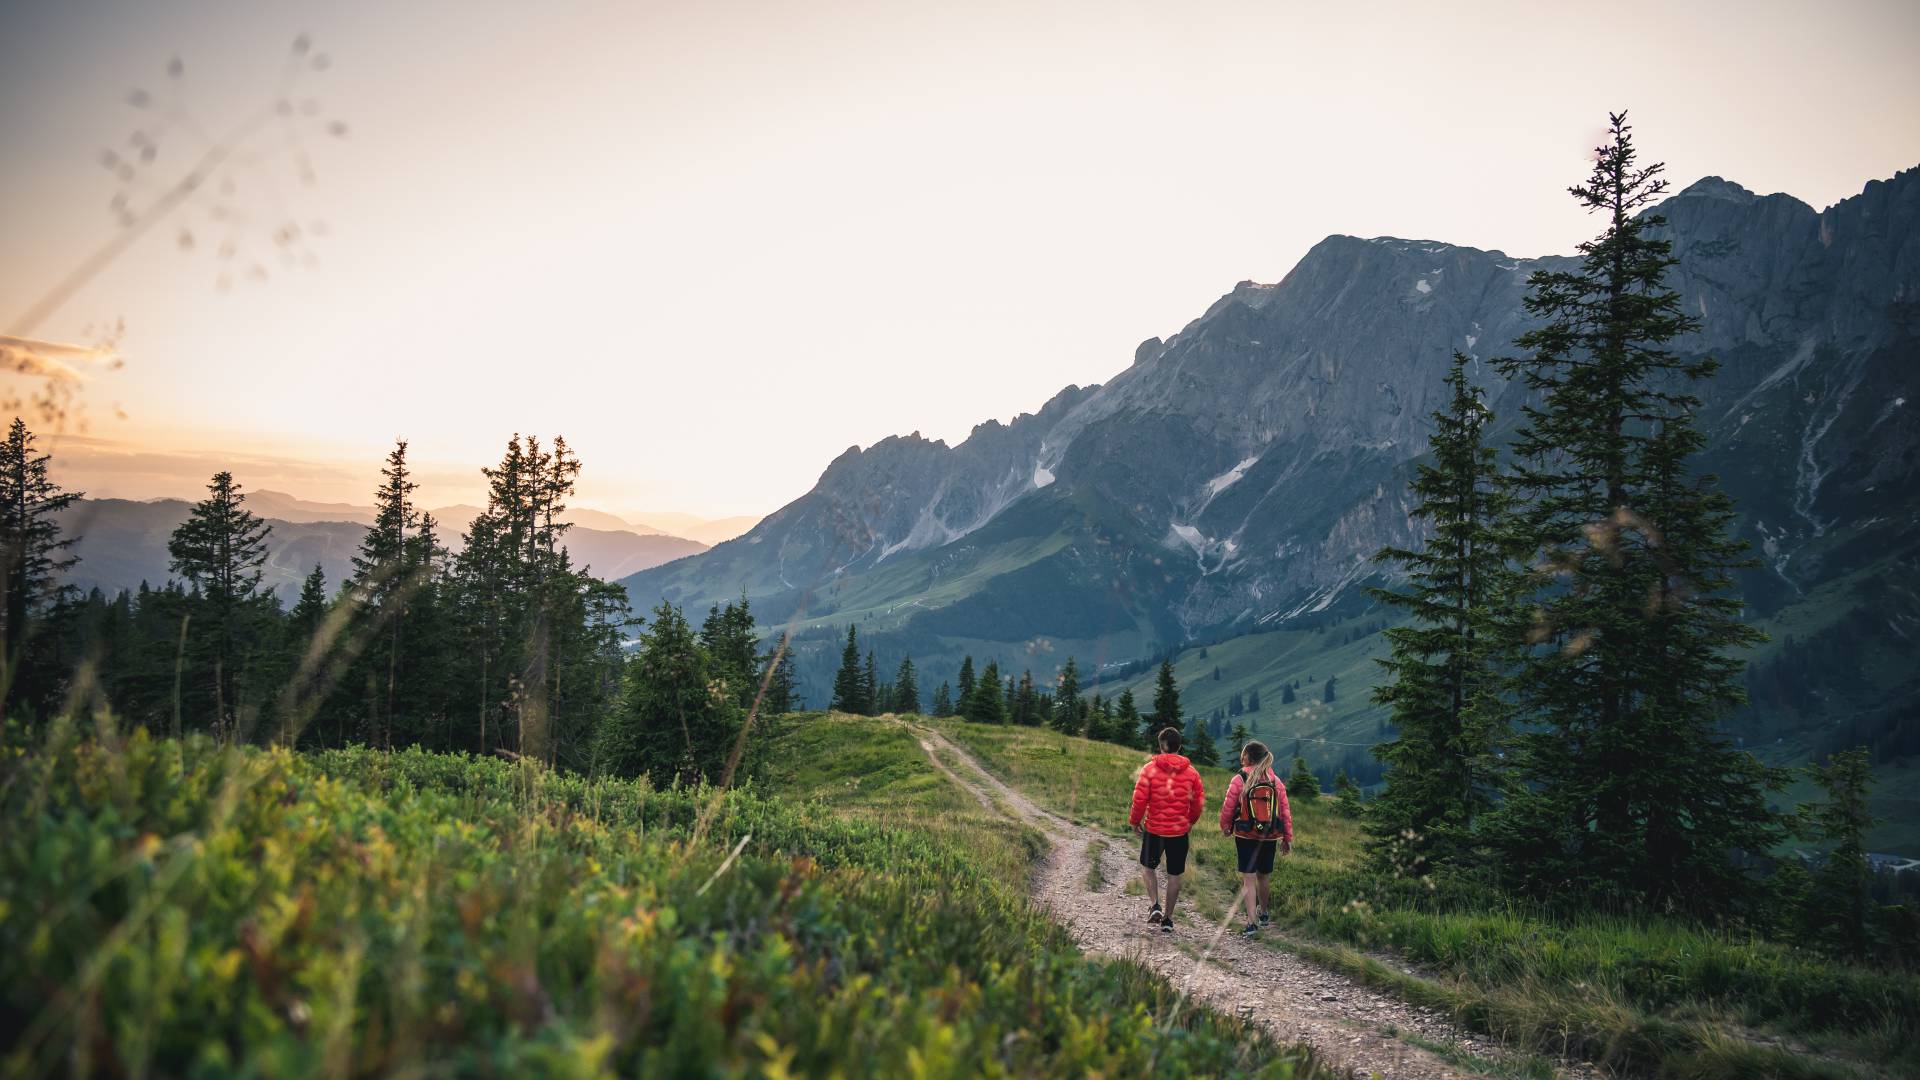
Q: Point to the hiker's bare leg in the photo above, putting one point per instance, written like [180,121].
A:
[1266,894]
[1247,895]
[1173,892]
[1152,881]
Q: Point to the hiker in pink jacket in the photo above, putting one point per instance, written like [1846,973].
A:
[1256,814]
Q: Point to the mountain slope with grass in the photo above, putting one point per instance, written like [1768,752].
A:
[1239,475]
[1644,995]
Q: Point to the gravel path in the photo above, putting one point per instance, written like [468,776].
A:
[1344,1021]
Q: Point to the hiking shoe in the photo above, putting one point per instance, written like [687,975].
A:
[1263,918]
[1166,925]
[1154,916]
[1250,930]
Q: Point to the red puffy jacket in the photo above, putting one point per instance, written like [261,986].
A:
[1167,796]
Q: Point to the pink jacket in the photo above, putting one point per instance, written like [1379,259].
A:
[1230,806]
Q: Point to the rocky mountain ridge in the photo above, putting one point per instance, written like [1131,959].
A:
[1241,473]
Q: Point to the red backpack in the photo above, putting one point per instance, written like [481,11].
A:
[1260,808]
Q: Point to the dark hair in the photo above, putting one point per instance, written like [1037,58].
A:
[1169,740]
[1254,751]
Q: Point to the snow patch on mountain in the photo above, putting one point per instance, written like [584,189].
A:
[1231,477]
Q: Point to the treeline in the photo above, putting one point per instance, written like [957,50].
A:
[986,696]
[501,646]
[1559,692]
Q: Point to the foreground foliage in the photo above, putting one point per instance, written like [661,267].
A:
[183,907]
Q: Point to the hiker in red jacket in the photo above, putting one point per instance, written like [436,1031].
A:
[1167,796]
[1256,814]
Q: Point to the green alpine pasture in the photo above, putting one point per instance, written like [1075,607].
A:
[197,909]
[1644,995]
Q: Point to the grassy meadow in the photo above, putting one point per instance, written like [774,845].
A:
[191,908]
[1644,995]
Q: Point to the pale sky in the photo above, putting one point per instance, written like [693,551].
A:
[716,243]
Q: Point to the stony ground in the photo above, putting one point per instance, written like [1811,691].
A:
[1350,1025]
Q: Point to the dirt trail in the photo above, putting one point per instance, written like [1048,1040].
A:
[1343,1020]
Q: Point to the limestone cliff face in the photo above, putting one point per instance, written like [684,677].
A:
[1252,463]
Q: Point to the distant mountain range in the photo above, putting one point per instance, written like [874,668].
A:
[1238,476]
[124,542]
[707,531]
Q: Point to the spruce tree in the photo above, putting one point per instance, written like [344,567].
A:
[36,558]
[1443,669]
[1327,692]
[1127,721]
[669,724]
[732,644]
[1199,744]
[1351,800]
[219,550]
[870,702]
[847,693]
[1286,694]
[1839,910]
[1302,784]
[1253,700]
[1240,736]
[906,689]
[384,579]
[965,683]
[783,684]
[531,643]
[986,705]
[943,700]
[1166,699]
[311,609]
[1026,702]
[1628,795]
[309,661]
[1069,712]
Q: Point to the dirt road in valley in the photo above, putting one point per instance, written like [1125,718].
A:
[1346,1022]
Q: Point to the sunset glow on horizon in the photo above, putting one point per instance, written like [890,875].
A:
[760,232]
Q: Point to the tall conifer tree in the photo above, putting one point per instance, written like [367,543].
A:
[1443,671]
[1166,701]
[987,705]
[906,688]
[1629,795]
[847,696]
[35,555]
[1069,712]
[220,550]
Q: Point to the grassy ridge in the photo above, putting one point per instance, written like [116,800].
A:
[1645,994]
[182,907]
[867,770]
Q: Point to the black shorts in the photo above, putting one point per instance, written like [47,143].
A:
[1256,856]
[1175,848]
